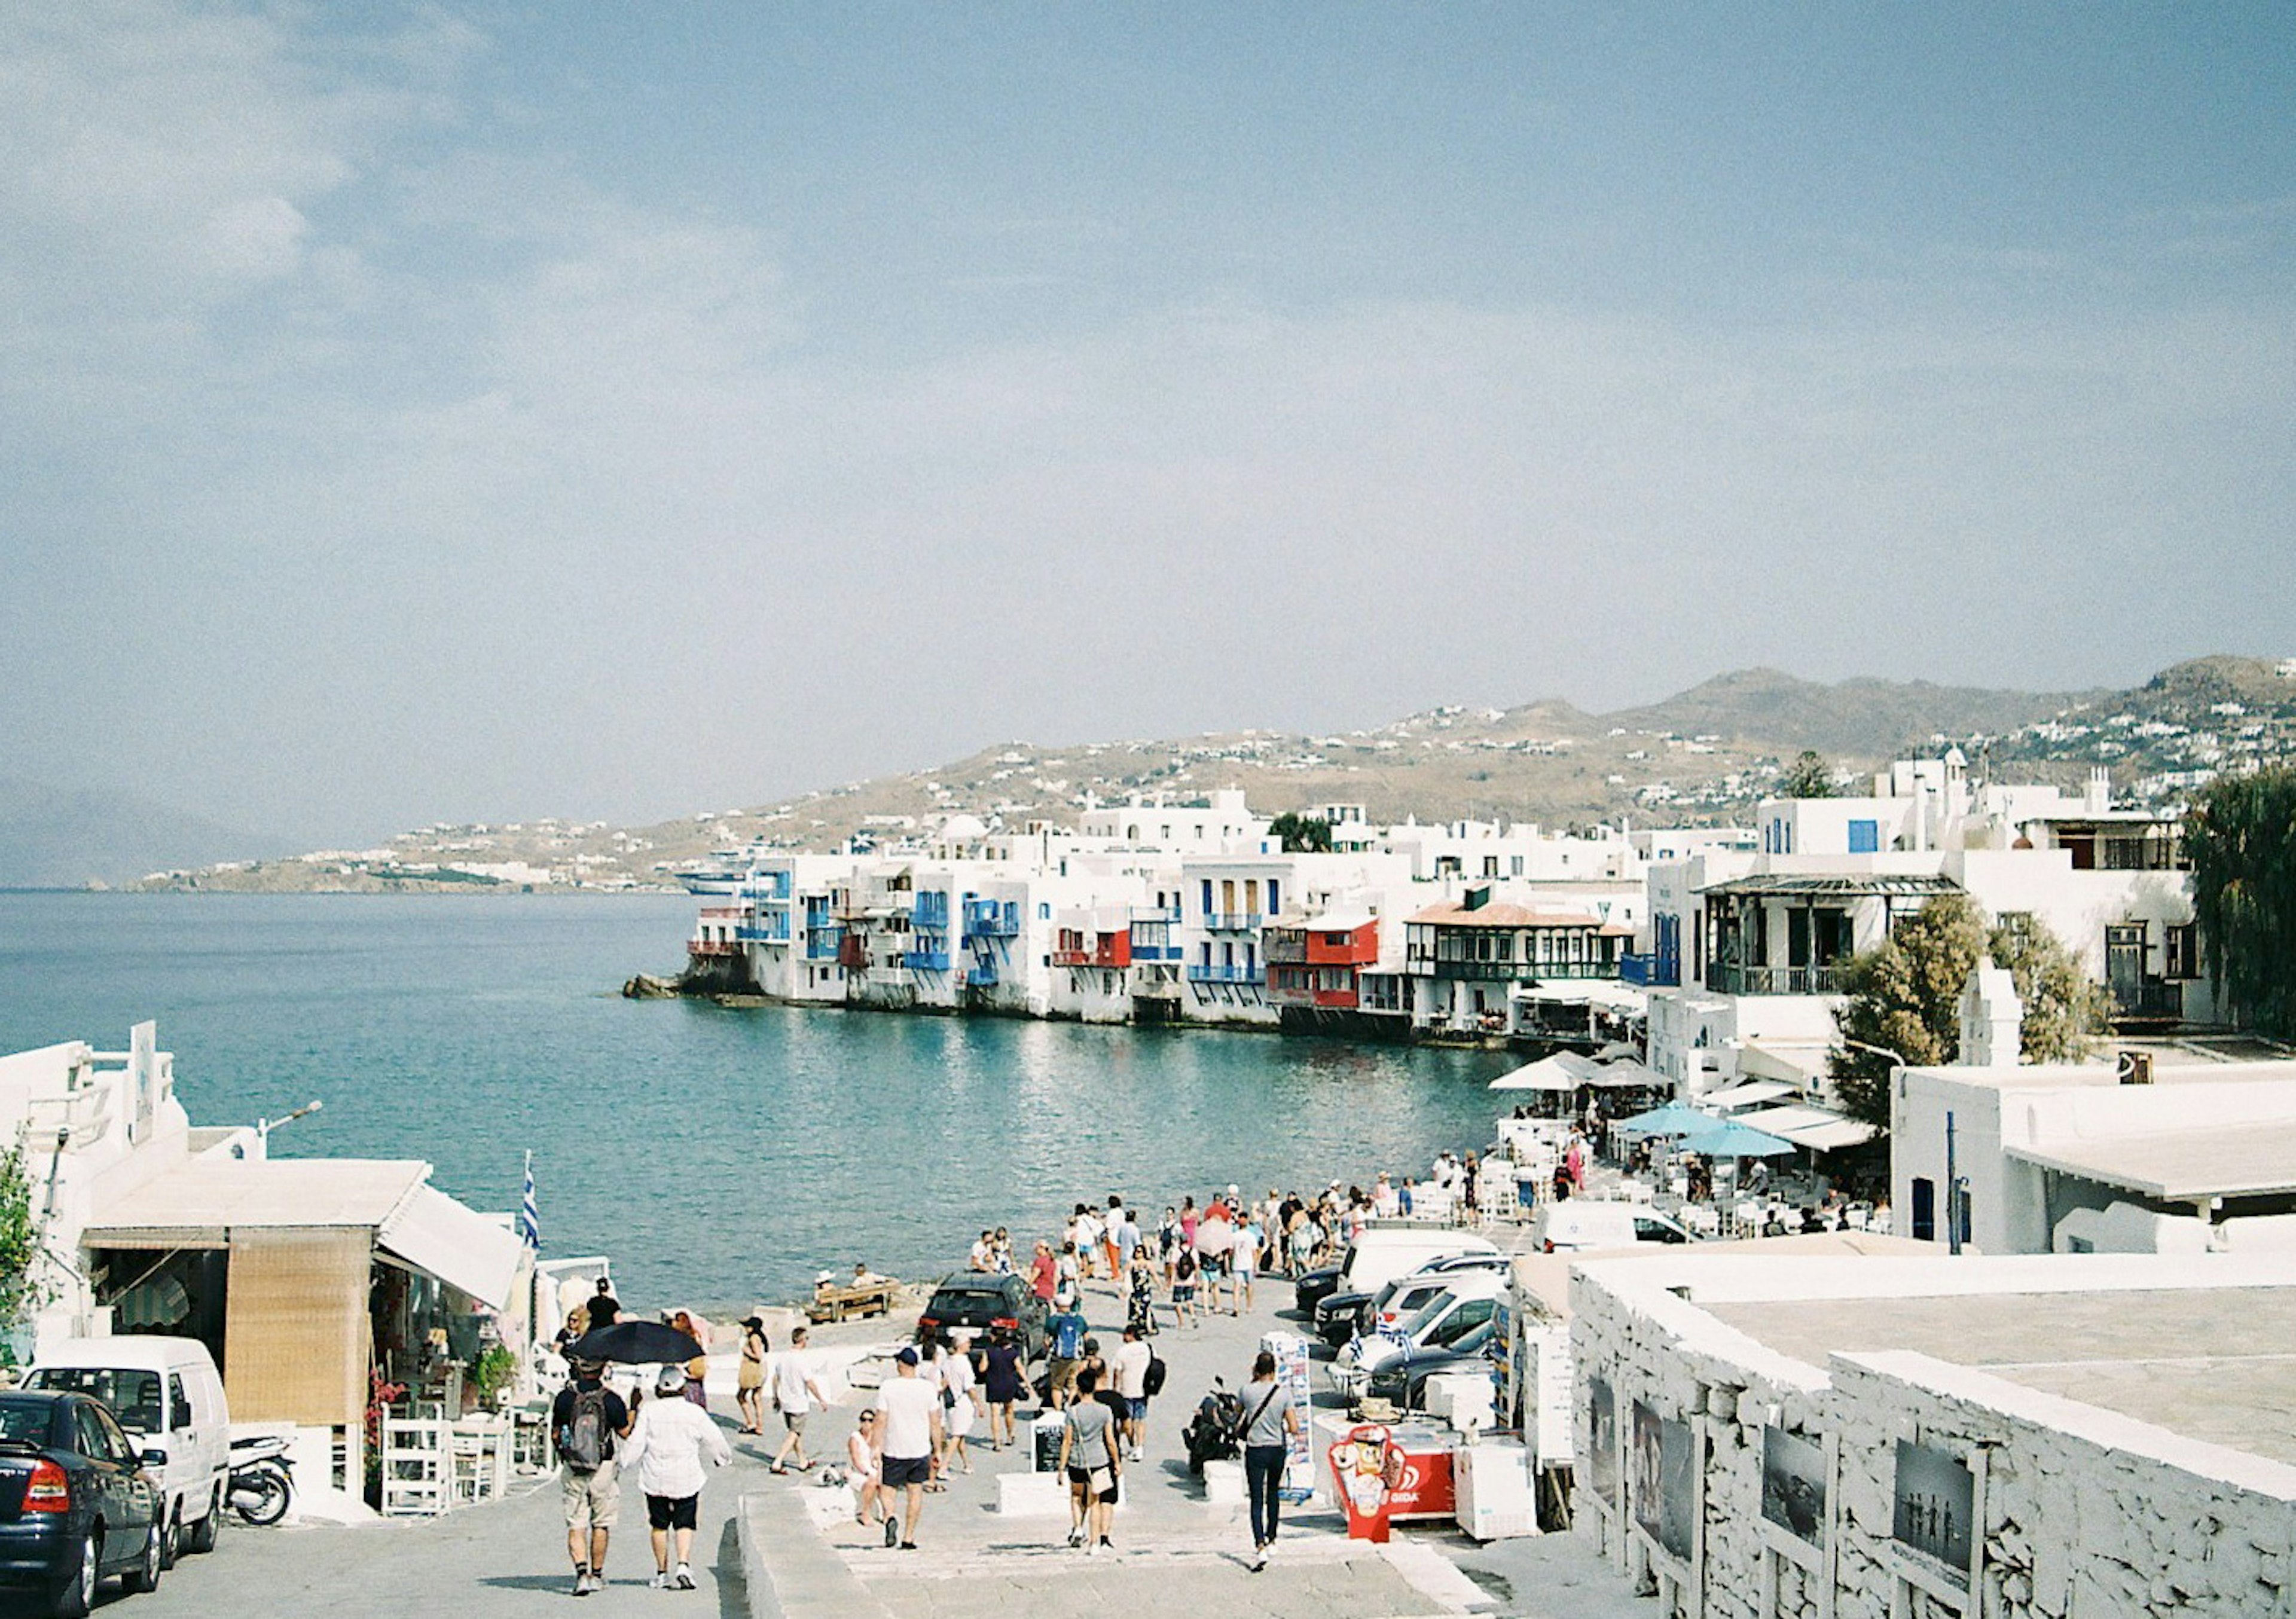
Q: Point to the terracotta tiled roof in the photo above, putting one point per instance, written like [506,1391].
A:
[1451,914]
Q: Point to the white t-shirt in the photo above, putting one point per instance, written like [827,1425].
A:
[790,1392]
[908,1404]
[1132,1358]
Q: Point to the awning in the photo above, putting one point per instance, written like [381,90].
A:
[2181,1165]
[1817,885]
[1559,1072]
[1746,1094]
[1811,1127]
[1800,1063]
[460,1246]
[1626,1073]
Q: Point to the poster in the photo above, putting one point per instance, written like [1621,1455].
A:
[1290,1353]
[1793,1484]
[1935,1505]
[1602,1440]
[1665,1494]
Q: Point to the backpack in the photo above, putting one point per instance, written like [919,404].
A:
[1151,1381]
[583,1447]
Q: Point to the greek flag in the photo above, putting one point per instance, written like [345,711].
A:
[530,1220]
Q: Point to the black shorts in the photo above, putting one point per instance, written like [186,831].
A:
[900,1471]
[671,1511]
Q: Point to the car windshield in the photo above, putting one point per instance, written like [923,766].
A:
[25,1421]
[133,1396]
[1416,1321]
[967,1298]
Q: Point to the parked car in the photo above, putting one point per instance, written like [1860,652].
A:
[1342,1316]
[1465,1302]
[1402,1381]
[167,1393]
[968,1298]
[77,1505]
[1379,1256]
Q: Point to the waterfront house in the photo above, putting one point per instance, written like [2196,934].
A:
[1464,957]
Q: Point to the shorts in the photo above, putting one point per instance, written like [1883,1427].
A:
[1136,1408]
[896,1471]
[1098,1482]
[672,1511]
[1183,1293]
[794,1421]
[592,1501]
[1062,1374]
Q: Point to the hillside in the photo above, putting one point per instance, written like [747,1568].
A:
[51,839]
[1705,755]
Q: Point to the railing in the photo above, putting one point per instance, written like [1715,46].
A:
[1073,958]
[1151,914]
[925,961]
[772,930]
[1289,948]
[772,886]
[2152,998]
[930,911]
[989,920]
[981,975]
[824,944]
[1637,969]
[1155,952]
[1235,921]
[1728,980]
[712,947]
[1224,973]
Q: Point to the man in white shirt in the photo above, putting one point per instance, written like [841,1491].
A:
[672,1438]
[909,1408]
[795,1394]
[1131,1368]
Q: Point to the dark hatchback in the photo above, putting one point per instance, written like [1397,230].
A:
[981,1301]
[76,1505]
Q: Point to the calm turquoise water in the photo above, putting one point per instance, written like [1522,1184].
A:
[720,1156]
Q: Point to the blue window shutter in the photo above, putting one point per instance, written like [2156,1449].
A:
[1864,837]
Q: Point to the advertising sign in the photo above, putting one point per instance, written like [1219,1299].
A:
[1793,1484]
[1936,1502]
[1665,1500]
[1361,1466]
[1290,1353]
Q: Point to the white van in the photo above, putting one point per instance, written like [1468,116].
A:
[1594,1222]
[167,1393]
[1377,1257]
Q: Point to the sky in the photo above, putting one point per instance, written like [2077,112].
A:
[452,412]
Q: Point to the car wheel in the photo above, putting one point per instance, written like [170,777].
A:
[145,1574]
[77,1594]
[171,1539]
[201,1536]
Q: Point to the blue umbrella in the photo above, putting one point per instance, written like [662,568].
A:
[1725,1139]
[1673,1119]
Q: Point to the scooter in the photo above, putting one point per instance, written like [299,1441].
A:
[262,1484]
[1211,1433]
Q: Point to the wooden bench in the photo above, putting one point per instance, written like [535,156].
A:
[854,1298]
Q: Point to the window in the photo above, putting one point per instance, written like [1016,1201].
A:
[1208,897]
[179,1407]
[1864,837]
[1924,1228]
[2183,950]
[1490,866]
[1518,865]
[1275,903]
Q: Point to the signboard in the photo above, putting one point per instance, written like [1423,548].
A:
[1546,1423]
[1934,1508]
[1793,1484]
[1366,1467]
[1290,1353]
[1665,1492]
[1602,1440]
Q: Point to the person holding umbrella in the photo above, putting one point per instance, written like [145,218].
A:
[588,1418]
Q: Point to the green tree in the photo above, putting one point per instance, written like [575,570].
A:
[19,1241]
[1904,995]
[1302,834]
[1808,777]
[2242,839]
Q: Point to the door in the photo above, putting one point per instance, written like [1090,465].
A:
[2124,958]
[1924,1229]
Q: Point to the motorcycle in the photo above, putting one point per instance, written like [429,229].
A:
[1212,1433]
[262,1484]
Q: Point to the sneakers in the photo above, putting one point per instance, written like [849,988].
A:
[683,1580]
[892,1531]
[660,1582]
[582,1582]
[1107,1544]
[1075,1539]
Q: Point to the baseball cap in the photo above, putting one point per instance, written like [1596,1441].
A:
[908,1356]
[671,1381]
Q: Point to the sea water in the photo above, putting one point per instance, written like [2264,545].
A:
[720,1156]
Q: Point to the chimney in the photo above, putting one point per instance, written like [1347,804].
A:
[1477,898]
[2098,798]
[1992,1018]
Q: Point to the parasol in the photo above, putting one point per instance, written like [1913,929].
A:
[634,1344]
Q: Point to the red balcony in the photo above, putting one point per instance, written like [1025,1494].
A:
[1344,947]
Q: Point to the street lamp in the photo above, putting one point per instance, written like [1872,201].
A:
[264,1126]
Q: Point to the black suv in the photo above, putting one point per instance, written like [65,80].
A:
[975,1300]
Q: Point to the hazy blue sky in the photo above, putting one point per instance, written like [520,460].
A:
[462,411]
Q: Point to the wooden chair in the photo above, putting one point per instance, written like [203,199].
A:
[417,1467]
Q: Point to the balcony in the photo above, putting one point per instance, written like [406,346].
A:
[1723,979]
[1151,914]
[931,912]
[989,920]
[823,942]
[1481,972]
[1637,969]
[925,961]
[764,930]
[712,947]
[1234,922]
[772,886]
[981,975]
[2148,1001]
[1224,973]
[1155,952]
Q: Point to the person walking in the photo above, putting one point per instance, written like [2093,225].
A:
[1066,1347]
[1044,1271]
[1184,1289]
[795,1394]
[1090,1458]
[1133,1359]
[749,1389]
[1243,1257]
[671,1440]
[909,1410]
[589,1420]
[958,1404]
[1270,1420]
[1002,1379]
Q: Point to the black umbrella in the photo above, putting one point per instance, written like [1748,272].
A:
[634,1344]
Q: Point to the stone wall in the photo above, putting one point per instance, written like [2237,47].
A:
[2084,1512]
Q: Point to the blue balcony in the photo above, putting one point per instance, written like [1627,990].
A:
[930,911]
[772,886]
[981,975]
[773,930]
[989,920]
[1155,952]
[925,961]
[1224,973]
[822,944]
[1637,969]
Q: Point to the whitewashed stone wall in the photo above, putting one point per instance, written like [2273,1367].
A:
[2084,1513]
